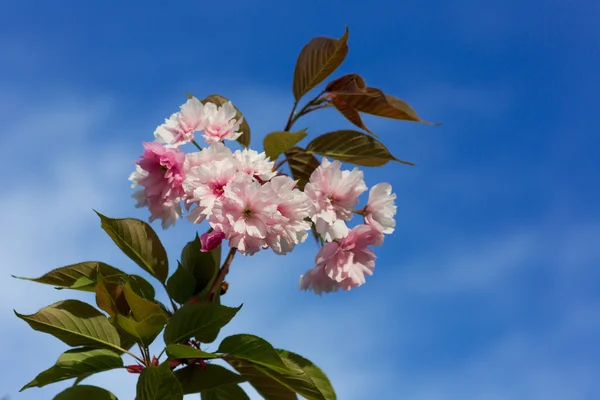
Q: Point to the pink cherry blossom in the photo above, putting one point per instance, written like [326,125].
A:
[211,240]
[160,172]
[255,164]
[380,209]
[204,185]
[317,280]
[242,214]
[346,262]
[180,127]
[287,226]
[221,123]
[334,193]
[215,152]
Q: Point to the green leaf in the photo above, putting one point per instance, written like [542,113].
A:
[76,323]
[77,363]
[302,165]
[181,351]
[229,392]
[181,285]
[277,143]
[352,147]
[195,379]
[141,308]
[139,285]
[107,296]
[198,319]
[255,349]
[77,276]
[86,392]
[143,332]
[204,265]
[312,384]
[268,387]
[219,100]
[158,383]
[316,61]
[139,242]
[377,103]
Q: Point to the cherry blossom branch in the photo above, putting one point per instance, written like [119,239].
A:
[279,164]
[222,273]
[304,110]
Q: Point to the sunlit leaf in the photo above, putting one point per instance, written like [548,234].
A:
[139,242]
[76,323]
[144,331]
[352,147]
[141,308]
[86,392]
[77,276]
[199,320]
[195,379]
[277,143]
[316,61]
[302,165]
[77,363]
[158,383]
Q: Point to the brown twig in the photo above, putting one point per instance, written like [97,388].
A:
[222,273]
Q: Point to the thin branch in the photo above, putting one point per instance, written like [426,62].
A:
[222,273]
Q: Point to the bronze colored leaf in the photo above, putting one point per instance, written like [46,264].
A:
[352,147]
[302,165]
[350,113]
[316,61]
[383,105]
[348,84]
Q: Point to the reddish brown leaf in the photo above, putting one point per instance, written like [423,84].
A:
[382,105]
[316,61]
[350,84]
[350,113]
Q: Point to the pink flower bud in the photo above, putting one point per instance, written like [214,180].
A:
[211,240]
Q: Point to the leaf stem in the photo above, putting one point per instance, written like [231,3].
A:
[222,273]
[279,164]
[131,354]
[290,120]
[306,109]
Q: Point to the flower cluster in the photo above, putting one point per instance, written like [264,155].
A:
[247,202]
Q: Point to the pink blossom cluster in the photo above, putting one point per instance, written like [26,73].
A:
[216,123]
[247,202]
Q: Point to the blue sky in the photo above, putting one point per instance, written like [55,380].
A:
[488,290]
